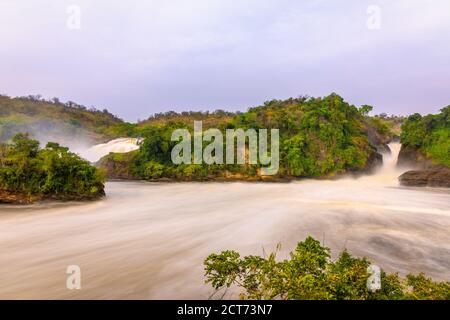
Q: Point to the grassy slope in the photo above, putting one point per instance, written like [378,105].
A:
[46,119]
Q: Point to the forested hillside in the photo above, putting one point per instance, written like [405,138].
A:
[319,137]
[56,121]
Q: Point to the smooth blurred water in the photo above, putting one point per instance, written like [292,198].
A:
[149,240]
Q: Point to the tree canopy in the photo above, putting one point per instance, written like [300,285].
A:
[310,274]
[318,137]
[430,134]
[52,171]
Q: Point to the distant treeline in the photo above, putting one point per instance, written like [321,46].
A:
[52,118]
[69,104]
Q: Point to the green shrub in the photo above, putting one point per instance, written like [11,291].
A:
[311,274]
[431,134]
[53,170]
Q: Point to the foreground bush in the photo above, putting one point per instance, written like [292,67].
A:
[310,274]
[52,172]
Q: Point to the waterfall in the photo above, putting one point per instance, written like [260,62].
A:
[387,174]
[390,159]
[121,145]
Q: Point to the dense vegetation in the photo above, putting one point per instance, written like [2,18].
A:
[430,134]
[309,274]
[52,172]
[318,137]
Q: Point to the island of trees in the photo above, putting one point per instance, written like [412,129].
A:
[319,137]
[28,173]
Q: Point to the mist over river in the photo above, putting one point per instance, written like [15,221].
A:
[149,240]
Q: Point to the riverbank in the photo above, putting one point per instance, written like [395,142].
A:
[120,166]
[20,198]
[435,178]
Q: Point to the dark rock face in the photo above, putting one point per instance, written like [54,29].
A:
[411,157]
[374,161]
[426,173]
[384,148]
[439,177]
[378,141]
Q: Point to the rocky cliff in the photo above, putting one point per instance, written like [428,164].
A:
[439,177]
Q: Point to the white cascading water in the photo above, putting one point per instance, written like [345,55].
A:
[149,240]
[121,145]
[388,173]
[390,159]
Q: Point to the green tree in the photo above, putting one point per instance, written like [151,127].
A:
[365,109]
[50,172]
[311,274]
[430,134]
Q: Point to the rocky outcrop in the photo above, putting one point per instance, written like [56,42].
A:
[412,157]
[377,141]
[439,177]
[426,173]
[374,161]
[118,166]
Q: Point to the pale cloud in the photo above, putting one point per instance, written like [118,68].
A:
[137,57]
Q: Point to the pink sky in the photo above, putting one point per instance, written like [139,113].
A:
[137,58]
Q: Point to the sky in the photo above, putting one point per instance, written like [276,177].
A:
[136,58]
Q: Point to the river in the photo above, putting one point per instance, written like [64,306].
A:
[149,240]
